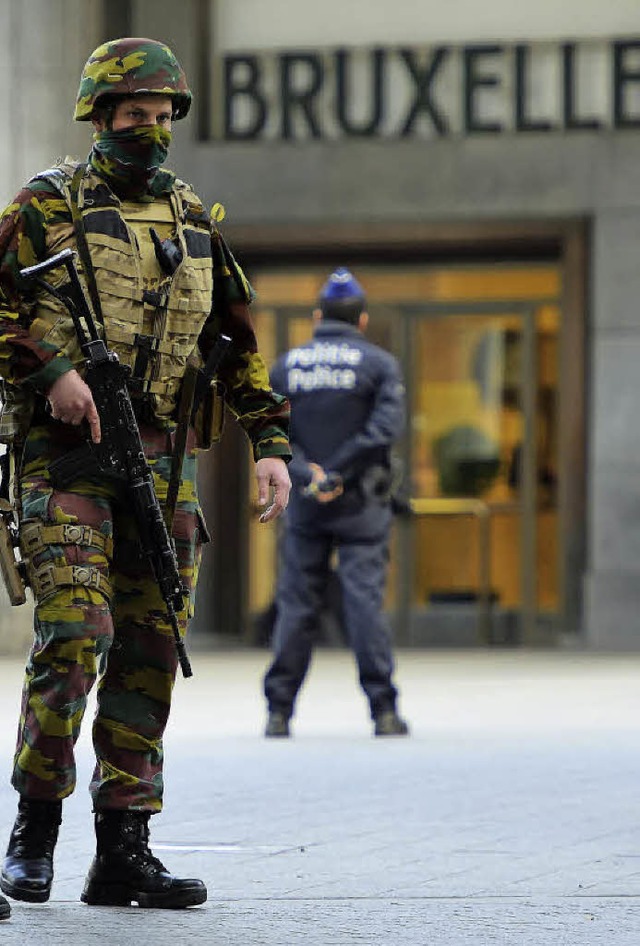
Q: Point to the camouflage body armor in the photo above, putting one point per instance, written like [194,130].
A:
[151,320]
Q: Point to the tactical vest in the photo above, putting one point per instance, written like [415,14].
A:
[152,321]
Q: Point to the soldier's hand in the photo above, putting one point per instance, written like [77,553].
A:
[272,473]
[71,402]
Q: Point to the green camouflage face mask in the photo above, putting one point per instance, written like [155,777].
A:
[130,157]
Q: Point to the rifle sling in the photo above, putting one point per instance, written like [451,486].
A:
[81,242]
[187,396]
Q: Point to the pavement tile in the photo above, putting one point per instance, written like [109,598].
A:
[510,816]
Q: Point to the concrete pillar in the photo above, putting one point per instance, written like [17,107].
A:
[612,598]
[43,47]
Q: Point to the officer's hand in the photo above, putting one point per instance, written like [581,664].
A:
[330,488]
[71,402]
[317,477]
[324,487]
[272,472]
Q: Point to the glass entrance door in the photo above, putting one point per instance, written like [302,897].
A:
[483,543]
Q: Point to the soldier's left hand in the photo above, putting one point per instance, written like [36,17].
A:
[272,473]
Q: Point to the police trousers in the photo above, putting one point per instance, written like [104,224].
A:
[360,536]
[115,627]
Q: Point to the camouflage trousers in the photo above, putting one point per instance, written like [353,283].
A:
[119,633]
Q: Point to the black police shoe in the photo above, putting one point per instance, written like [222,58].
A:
[389,723]
[124,871]
[277,725]
[27,871]
[5,909]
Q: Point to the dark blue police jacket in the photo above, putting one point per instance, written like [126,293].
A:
[347,408]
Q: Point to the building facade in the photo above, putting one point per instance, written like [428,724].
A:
[481,174]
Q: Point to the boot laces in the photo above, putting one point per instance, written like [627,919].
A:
[145,856]
[33,838]
[134,843]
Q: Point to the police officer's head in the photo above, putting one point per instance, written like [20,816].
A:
[342,299]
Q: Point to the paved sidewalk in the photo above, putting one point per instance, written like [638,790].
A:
[511,815]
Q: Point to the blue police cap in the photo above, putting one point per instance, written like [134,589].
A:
[341,286]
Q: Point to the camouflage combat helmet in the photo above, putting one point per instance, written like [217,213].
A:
[131,66]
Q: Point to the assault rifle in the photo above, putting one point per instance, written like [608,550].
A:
[120,453]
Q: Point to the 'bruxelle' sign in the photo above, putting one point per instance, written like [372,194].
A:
[480,89]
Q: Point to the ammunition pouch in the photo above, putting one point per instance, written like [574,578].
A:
[16,413]
[208,420]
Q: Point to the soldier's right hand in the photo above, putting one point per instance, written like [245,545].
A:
[71,402]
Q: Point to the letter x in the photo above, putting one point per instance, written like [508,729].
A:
[423,78]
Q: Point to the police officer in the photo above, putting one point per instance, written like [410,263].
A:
[347,408]
[152,260]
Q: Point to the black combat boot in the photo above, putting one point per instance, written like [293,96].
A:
[5,909]
[27,871]
[124,871]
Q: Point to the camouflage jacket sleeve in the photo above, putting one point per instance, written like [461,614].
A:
[26,356]
[263,414]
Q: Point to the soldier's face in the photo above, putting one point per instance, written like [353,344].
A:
[139,110]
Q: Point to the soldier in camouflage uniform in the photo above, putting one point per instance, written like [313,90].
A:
[97,605]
